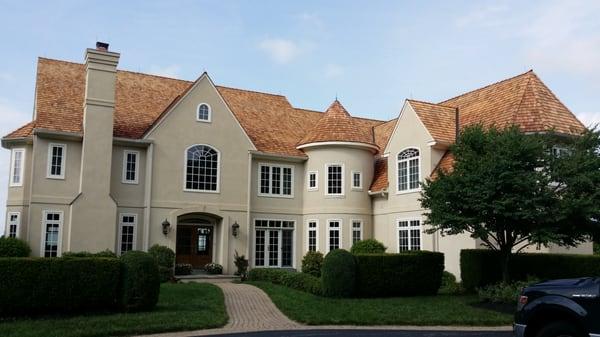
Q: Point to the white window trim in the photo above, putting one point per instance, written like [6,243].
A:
[316,229]
[360,230]
[209,113]
[316,188]
[137,167]
[18,223]
[340,231]
[360,180]
[327,180]
[120,233]
[280,238]
[60,230]
[418,189]
[185,170]
[12,167]
[280,195]
[409,219]
[63,162]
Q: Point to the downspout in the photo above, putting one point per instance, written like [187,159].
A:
[148,195]
[248,225]
[457,122]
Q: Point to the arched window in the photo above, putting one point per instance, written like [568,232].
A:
[408,170]
[202,168]
[203,114]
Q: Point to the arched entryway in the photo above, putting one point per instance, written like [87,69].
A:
[196,239]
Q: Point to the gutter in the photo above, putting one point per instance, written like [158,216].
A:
[382,193]
[264,155]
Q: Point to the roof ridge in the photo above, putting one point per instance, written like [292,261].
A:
[253,91]
[487,86]
[518,109]
[431,103]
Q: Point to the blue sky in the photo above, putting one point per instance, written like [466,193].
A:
[371,54]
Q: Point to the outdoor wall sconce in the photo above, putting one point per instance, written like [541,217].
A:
[166,225]
[235,228]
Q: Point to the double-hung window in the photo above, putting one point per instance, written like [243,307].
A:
[335,179]
[275,180]
[57,154]
[357,232]
[313,180]
[130,167]
[51,229]
[409,235]
[313,228]
[127,232]
[17,166]
[334,234]
[408,170]
[274,243]
[357,180]
[13,223]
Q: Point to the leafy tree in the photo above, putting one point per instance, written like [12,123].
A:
[511,190]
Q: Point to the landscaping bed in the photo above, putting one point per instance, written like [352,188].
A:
[180,307]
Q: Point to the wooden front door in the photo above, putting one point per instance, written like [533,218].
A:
[194,245]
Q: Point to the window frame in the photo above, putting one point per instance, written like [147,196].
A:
[11,181]
[316,187]
[408,228]
[185,189]
[343,180]
[120,232]
[63,162]
[408,190]
[316,230]
[209,120]
[44,228]
[360,180]
[137,167]
[340,232]
[360,230]
[8,224]
[279,242]
[270,187]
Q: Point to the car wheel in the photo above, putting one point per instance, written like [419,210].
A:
[560,329]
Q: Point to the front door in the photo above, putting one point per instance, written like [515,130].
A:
[194,245]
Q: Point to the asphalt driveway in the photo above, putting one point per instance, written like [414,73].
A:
[371,333]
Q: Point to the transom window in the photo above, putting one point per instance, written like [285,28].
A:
[56,160]
[204,113]
[334,235]
[274,243]
[202,169]
[356,180]
[408,170]
[409,235]
[17,165]
[335,179]
[275,180]
[130,167]
[51,226]
[356,231]
[127,232]
[312,235]
[312,180]
[14,220]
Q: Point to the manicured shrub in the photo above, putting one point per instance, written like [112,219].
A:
[369,246]
[183,269]
[165,258]
[40,286]
[338,275]
[140,283]
[506,293]
[449,285]
[13,247]
[312,263]
[213,268]
[241,263]
[105,253]
[298,281]
[406,274]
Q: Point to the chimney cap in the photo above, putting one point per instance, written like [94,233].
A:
[103,46]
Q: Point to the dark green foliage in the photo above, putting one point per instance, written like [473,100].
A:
[13,247]
[338,275]
[140,283]
[479,267]
[241,263]
[406,274]
[369,246]
[298,281]
[105,253]
[312,263]
[449,285]
[507,293]
[213,268]
[183,269]
[165,258]
[40,285]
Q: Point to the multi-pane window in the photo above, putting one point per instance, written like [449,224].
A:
[275,180]
[408,170]
[312,235]
[127,232]
[312,181]
[409,235]
[52,222]
[356,231]
[130,167]
[335,179]
[202,168]
[334,235]
[17,164]
[14,219]
[273,243]
[56,161]
[203,113]
[559,151]
[356,180]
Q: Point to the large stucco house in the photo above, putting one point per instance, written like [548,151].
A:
[121,160]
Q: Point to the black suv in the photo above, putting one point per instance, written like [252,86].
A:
[559,308]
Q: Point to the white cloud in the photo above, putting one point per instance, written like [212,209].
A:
[334,71]
[589,118]
[172,70]
[281,51]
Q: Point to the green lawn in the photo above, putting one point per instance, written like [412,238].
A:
[180,307]
[426,310]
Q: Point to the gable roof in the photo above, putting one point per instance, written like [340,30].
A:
[439,120]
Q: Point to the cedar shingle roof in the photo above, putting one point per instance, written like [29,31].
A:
[440,120]
[380,176]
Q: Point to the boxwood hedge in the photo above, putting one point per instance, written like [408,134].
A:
[338,274]
[140,281]
[291,279]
